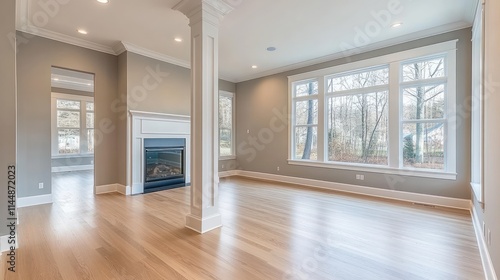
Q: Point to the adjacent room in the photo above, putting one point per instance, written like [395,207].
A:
[237,139]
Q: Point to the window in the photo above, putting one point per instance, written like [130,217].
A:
[305,126]
[390,114]
[358,116]
[226,125]
[72,125]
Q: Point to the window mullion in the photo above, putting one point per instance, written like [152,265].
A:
[322,141]
[394,138]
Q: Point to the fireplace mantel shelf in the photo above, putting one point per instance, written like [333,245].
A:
[159,115]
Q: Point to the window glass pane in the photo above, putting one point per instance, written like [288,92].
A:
[306,143]
[68,104]
[225,125]
[304,89]
[90,140]
[225,111]
[69,141]
[90,106]
[359,80]
[428,69]
[306,112]
[90,120]
[225,137]
[358,128]
[425,102]
[423,145]
[68,119]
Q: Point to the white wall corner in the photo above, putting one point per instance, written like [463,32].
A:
[34,200]
[489,269]
[113,188]
[125,190]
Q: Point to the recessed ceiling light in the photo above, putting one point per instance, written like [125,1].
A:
[271,49]
[81,31]
[178,39]
[254,66]
[55,79]
[103,1]
[396,24]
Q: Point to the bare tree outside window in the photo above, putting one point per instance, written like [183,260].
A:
[306,120]
[358,117]
[424,114]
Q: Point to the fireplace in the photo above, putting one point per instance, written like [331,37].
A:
[164,164]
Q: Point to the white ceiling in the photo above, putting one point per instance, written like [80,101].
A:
[304,32]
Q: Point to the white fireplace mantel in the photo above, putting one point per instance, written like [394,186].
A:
[145,125]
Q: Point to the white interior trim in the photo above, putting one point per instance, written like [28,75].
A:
[34,200]
[229,173]
[440,201]
[488,267]
[4,244]
[72,168]
[111,188]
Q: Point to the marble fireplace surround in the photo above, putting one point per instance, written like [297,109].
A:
[155,125]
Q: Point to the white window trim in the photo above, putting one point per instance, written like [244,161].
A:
[233,131]
[448,49]
[477,115]
[54,133]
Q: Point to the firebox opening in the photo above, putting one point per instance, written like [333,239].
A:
[164,164]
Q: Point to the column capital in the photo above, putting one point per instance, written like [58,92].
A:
[190,8]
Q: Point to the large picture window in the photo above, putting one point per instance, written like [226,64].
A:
[72,125]
[390,114]
[226,125]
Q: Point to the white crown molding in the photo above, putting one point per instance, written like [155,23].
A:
[119,48]
[471,8]
[41,32]
[371,47]
[189,7]
[155,55]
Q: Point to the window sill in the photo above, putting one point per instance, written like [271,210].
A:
[227,158]
[377,169]
[73,156]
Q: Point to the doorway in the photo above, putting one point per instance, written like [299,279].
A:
[72,134]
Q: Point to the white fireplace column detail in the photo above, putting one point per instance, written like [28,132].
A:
[204,17]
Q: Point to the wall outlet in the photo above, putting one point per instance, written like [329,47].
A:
[40,185]
[360,177]
[278,168]
[248,131]
[223,166]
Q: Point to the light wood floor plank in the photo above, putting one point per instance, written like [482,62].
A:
[271,231]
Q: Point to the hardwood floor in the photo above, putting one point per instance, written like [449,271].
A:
[271,231]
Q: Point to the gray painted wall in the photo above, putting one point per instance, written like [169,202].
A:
[490,210]
[168,92]
[256,100]
[35,58]
[8,104]
[122,120]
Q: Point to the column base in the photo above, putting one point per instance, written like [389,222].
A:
[203,225]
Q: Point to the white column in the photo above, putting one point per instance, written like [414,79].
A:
[204,17]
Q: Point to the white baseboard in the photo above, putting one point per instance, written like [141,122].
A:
[34,200]
[229,173]
[125,190]
[72,168]
[489,270]
[375,192]
[4,243]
